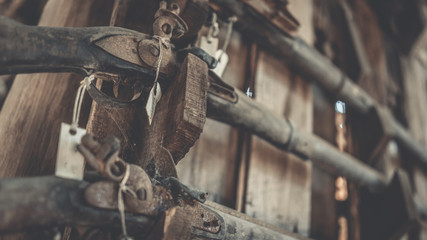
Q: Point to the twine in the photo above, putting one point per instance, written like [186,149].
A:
[78,102]
[122,190]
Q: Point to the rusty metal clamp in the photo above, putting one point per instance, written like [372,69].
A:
[103,156]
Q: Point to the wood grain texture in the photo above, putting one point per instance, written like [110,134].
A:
[376,85]
[323,223]
[415,100]
[279,184]
[38,103]
[187,107]
[210,164]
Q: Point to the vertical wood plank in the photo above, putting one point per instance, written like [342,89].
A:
[415,100]
[279,184]
[323,204]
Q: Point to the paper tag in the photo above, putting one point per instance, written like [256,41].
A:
[209,47]
[69,162]
[152,101]
[222,62]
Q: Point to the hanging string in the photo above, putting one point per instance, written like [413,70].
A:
[115,12]
[231,21]
[78,102]
[122,190]
[213,29]
[165,42]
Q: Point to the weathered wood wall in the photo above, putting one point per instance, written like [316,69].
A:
[415,102]
[277,186]
[38,103]
[238,170]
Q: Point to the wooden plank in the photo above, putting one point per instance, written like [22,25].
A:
[323,224]
[38,103]
[279,184]
[24,11]
[211,163]
[245,138]
[178,122]
[415,100]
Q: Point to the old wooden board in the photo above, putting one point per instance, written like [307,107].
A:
[279,184]
[382,87]
[38,103]
[323,201]
[178,122]
[210,165]
[415,100]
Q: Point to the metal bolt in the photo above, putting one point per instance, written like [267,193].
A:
[167,28]
[142,194]
[215,223]
[154,50]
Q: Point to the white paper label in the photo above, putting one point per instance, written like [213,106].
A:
[69,162]
[210,47]
[222,62]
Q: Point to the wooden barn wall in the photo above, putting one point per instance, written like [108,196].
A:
[237,170]
[323,184]
[37,103]
[277,185]
[28,107]
[415,102]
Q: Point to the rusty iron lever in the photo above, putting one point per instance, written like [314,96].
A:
[28,49]
[49,201]
[113,54]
